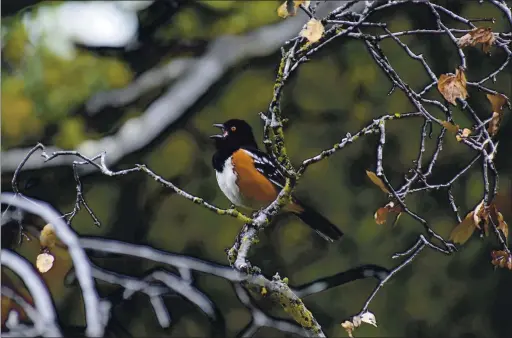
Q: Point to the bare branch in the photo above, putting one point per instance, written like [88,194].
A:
[46,319]
[96,319]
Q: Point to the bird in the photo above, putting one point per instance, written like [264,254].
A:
[250,179]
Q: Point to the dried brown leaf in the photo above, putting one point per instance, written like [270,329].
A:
[483,35]
[313,30]
[289,7]
[377,181]
[453,86]
[503,226]
[497,103]
[463,231]
[502,259]
[381,214]
[495,123]
[481,216]
[453,128]
[484,215]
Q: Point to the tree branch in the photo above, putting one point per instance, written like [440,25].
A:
[96,317]
[347,21]
[46,319]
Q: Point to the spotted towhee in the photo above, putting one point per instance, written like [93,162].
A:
[250,179]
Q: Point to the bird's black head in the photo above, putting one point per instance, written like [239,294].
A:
[235,134]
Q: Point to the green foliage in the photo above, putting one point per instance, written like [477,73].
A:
[175,156]
[248,93]
[221,6]
[19,119]
[67,83]
[44,88]
[331,92]
[71,133]
[15,42]
[219,18]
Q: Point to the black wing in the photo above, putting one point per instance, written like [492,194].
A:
[266,166]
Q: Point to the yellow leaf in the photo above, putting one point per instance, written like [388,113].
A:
[463,231]
[453,86]
[349,327]
[465,133]
[313,30]
[283,10]
[377,181]
[483,35]
[48,238]
[289,7]
[44,262]
[497,103]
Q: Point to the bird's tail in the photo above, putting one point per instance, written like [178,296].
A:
[317,222]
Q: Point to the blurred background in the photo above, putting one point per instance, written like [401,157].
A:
[76,75]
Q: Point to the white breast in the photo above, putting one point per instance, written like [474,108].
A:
[227,183]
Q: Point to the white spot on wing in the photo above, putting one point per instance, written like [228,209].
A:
[273,174]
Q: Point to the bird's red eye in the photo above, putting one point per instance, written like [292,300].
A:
[233,128]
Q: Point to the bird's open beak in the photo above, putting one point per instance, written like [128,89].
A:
[218,136]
